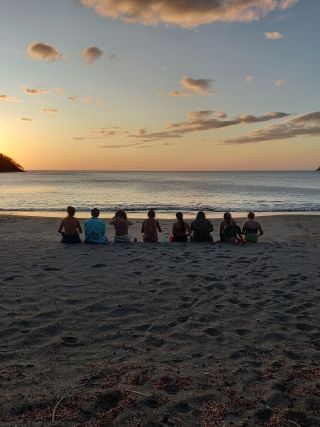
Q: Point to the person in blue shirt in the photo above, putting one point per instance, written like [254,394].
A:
[95,229]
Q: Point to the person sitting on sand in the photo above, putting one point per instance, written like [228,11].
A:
[180,229]
[230,232]
[95,229]
[121,226]
[150,228]
[70,227]
[251,228]
[201,229]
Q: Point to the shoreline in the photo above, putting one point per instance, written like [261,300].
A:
[108,215]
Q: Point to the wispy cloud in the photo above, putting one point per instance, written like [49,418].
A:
[186,13]
[103,133]
[37,91]
[304,125]
[43,52]
[9,98]
[202,121]
[194,87]
[280,82]
[50,110]
[273,35]
[91,54]
[87,100]
[26,119]
[202,114]
[134,144]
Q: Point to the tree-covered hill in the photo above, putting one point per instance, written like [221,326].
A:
[9,165]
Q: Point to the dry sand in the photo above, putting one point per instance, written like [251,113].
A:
[160,334]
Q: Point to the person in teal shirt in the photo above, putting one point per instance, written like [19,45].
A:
[95,229]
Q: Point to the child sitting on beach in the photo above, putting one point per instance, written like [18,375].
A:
[180,230]
[230,232]
[251,228]
[150,228]
[121,226]
[95,229]
[201,229]
[70,227]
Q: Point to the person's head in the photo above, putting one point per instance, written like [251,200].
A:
[95,212]
[71,210]
[120,214]
[227,216]
[251,215]
[151,214]
[201,216]
[179,216]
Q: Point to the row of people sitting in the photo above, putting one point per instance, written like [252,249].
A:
[199,231]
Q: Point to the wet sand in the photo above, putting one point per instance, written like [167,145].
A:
[160,334]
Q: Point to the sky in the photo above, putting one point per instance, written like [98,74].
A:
[160,85]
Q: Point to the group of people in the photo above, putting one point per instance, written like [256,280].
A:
[198,231]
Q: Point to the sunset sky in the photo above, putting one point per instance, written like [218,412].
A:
[160,85]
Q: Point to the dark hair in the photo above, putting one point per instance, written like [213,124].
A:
[251,215]
[95,212]
[201,216]
[179,216]
[120,214]
[151,213]
[71,210]
[227,216]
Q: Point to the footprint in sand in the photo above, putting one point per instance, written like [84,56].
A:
[98,265]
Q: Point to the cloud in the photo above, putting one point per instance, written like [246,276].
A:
[50,110]
[91,54]
[202,121]
[103,133]
[193,115]
[273,35]
[186,13]
[303,125]
[8,98]
[179,93]
[134,144]
[194,87]
[43,52]
[26,119]
[87,100]
[198,86]
[280,82]
[34,92]
[248,78]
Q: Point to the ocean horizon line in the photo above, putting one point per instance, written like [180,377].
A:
[169,171]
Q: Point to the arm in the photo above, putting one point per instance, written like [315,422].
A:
[244,228]
[188,229]
[79,226]
[142,227]
[173,229]
[210,226]
[130,223]
[260,229]
[60,227]
[158,226]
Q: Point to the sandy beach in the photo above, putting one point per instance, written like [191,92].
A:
[160,334]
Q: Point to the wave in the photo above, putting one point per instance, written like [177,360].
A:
[173,208]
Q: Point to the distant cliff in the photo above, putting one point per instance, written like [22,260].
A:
[9,165]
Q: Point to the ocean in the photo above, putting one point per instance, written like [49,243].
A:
[49,192]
